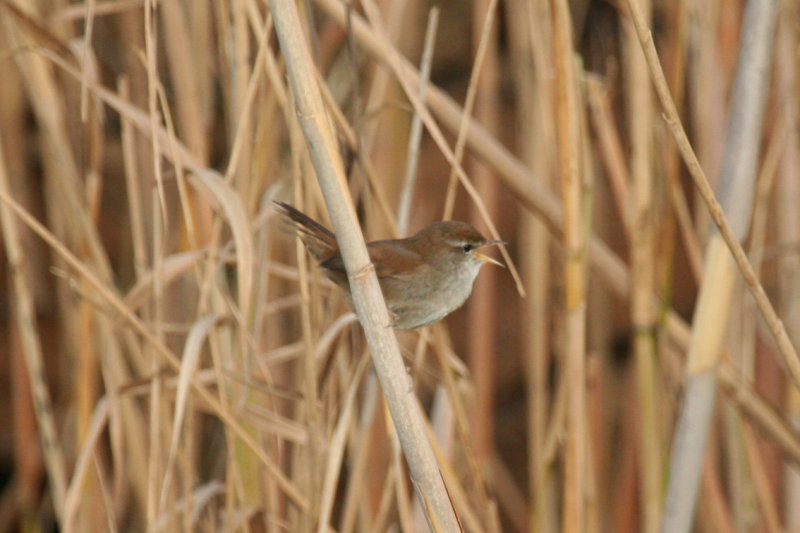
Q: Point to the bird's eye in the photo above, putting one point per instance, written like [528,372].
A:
[467,248]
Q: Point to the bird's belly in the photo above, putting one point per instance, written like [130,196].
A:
[423,305]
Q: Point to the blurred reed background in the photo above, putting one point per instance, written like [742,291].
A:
[172,361]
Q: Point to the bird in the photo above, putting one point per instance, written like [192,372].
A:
[423,278]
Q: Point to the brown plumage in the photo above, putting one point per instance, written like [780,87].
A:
[423,277]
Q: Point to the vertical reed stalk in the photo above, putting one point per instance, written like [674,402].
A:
[642,247]
[482,320]
[574,367]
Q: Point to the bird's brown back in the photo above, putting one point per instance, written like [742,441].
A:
[322,245]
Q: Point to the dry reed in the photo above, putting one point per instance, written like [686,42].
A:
[177,363]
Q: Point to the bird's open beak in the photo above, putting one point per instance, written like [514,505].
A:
[486,258]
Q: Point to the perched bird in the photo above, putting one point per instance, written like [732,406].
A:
[423,278]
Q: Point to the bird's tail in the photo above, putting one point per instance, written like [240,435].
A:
[319,240]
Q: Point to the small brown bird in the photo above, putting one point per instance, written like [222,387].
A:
[423,278]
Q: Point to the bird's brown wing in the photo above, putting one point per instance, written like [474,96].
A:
[391,260]
[402,260]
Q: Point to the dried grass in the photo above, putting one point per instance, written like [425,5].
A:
[179,364]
